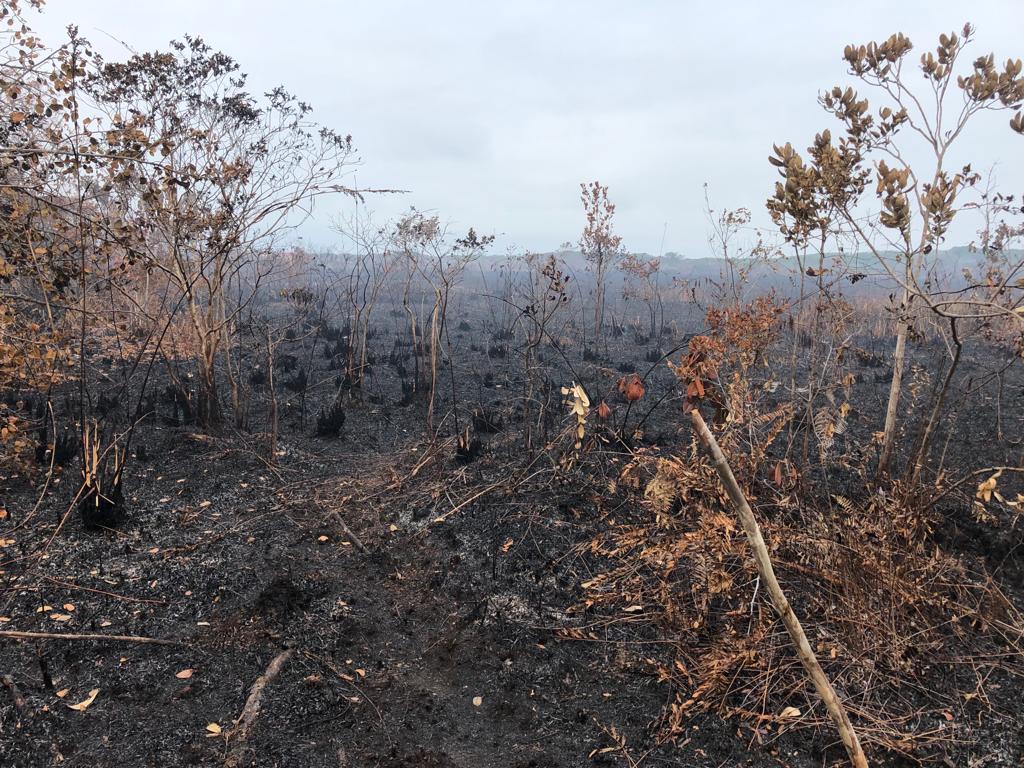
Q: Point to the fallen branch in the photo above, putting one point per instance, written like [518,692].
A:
[764,567]
[348,532]
[253,705]
[336,516]
[470,500]
[16,635]
[69,585]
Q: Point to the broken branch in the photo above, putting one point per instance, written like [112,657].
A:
[253,705]
[17,635]
[764,567]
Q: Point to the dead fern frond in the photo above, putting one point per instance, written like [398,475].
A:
[823,422]
[671,484]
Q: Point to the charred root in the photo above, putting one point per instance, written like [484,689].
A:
[102,509]
[468,446]
[330,422]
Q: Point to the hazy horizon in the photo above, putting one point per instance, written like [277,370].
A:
[492,116]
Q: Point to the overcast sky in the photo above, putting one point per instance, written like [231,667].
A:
[491,114]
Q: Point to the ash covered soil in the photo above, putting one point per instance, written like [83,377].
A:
[423,624]
[435,647]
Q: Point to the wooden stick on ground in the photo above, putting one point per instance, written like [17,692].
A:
[16,635]
[764,567]
[253,705]
[347,531]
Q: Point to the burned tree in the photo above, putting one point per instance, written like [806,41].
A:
[233,174]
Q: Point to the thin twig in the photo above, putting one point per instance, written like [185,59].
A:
[116,596]
[17,635]
[347,531]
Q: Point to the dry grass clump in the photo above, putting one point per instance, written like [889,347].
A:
[908,634]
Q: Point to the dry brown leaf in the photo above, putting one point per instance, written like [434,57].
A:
[87,702]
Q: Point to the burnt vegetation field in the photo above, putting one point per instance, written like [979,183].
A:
[410,503]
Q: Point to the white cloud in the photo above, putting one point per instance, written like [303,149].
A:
[492,113]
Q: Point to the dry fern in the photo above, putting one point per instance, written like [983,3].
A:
[828,422]
[670,485]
